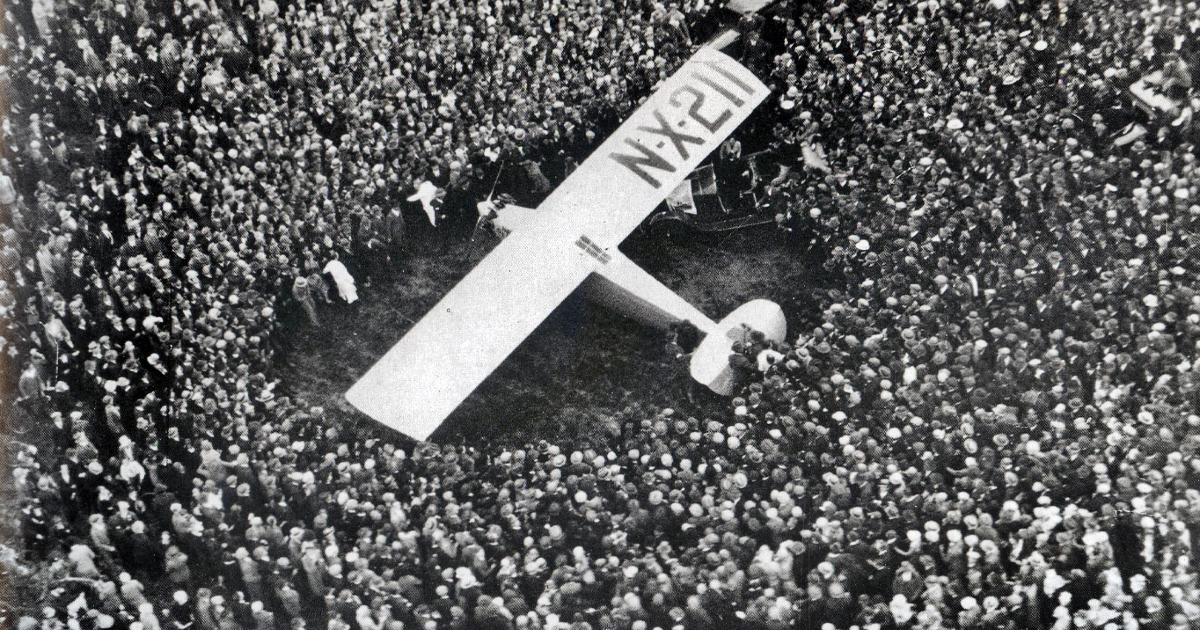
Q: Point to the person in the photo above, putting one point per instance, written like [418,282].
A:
[732,174]
[685,335]
[989,397]
[176,567]
[430,197]
[263,618]
[342,280]
[1176,77]
[395,227]
[539,184]
[8,194]
[318,287]
[180,614]
[43,15]
[30,384]
[83,559]
[132,592]
[302,293]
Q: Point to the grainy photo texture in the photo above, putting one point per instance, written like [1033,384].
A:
[599,315]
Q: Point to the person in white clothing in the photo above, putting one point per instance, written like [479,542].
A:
[343,280]
[430,197]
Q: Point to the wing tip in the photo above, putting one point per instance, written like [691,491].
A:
[389,415]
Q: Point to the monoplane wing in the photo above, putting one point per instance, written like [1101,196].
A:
[442,359]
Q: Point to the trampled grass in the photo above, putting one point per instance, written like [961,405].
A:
[581,368]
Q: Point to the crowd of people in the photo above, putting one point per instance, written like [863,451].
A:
[993,424]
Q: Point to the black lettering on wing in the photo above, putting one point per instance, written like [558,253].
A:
[729,75]
[694,110]
[648,158]
[677,138]
[720,89]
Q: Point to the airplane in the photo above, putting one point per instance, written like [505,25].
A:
[571,240]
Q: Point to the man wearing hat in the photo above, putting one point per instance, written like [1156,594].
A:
[303,295]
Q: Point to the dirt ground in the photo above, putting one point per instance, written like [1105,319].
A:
[582,366]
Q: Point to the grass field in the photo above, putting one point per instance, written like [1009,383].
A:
[580,367]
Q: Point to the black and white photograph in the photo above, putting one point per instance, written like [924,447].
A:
[599,315]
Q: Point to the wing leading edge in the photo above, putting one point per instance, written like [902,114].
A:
[466,336]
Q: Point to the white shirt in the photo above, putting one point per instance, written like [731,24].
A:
[426,193]
[343,280]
